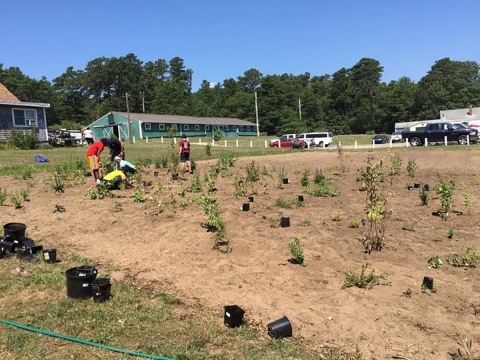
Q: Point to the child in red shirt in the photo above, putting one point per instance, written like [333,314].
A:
[93,156]
[184,152]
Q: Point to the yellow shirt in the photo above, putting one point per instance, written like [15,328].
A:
[114,174]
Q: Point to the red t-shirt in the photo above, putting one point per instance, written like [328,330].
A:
[185,145]
[95,149]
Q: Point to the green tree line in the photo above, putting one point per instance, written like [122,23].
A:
[350,101]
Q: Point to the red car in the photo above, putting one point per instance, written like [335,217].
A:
[286,143]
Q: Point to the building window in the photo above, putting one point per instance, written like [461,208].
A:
[185,127]
[226,127]
[207,127]
[23,117]
[161,126]
[197,127]
[241,128]
[234,127]
[148,126]
[248,128]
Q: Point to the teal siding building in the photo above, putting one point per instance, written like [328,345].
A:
[156,126]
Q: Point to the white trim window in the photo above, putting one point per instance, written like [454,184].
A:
[24,117]
[241,128]
[161,126]
[248,127]
[226,127]
[197,127]
[207,127]
[185,127]
[148,126]
[234,127]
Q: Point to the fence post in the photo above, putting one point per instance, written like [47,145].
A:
[236,143]
[199,141]
[426,142]
[174,140]
[161,139]
[373,144]
[133,139]
[251,143]
[266,143]
[445,139]
[355,146]
[225,143]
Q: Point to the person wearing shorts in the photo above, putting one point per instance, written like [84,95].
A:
[184,152]
[93,156]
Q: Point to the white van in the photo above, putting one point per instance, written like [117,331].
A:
[321,138]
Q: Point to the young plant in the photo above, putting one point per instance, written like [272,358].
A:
[319,178]
[409,225]
[451,232]
[210,181]
[196,185]
[240,187]
[59,186]
[336,216]
[411,167]
[25,194]
[434,262]
[304,179]
[282,175]
[138,195]
[296,250]
[3,196]
[253,172]
[16,200]
[280,202]
[376,204]
[466,198]
[354,223]
[436,234]
[424,195]
[469,259]
[58,208]
[396,162]
[306,223]
[363,281]
[444,189]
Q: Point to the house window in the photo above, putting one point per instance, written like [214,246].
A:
[197,127]
[148,126]
[226,127]
[185,127]
[24,117]
[248,128]
[161,126]
[241,128]
[207,127]
[234,127]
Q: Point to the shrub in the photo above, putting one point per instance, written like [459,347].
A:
[296,250]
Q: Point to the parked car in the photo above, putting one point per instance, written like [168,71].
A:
[380,139]
[472,130]
[396,136]
[286,136]
[435,134]
[289,142]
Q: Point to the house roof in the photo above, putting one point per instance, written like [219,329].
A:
[7,98]
[6,95]
[176,119]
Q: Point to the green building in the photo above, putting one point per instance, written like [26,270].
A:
[156,126]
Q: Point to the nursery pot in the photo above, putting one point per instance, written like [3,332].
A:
[101,288]
[14,230]
[79,280]
[285,222]
[285,181]
[233,316]
[300,198]
[250,199]
[416,186]
[428,282]
[280,328]
[410,187]
[426,187]
[50,256]
[246,206]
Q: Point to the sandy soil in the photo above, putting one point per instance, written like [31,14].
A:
[172,252]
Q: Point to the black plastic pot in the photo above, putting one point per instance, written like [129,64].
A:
[14,230]
[410,188]
[285,222]
[426,187]
[233,316]
[50,256]
[300,198]
[428,282]
[250,199]
[79,281]
[285,181]
[416,186]
[280,328]
[245,207]
[101,288]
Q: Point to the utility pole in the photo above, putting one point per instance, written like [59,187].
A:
[143,102]
[129,123]
[300,108]
[256,114]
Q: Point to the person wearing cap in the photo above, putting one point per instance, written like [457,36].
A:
[127,166]
[184,152]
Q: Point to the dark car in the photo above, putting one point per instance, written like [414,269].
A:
[380,139]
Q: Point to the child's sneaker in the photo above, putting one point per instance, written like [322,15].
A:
[98,181]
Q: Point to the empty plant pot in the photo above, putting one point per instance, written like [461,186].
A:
[14,230]
[426,187]
[79,281]
[285,222]
[301,198]
[285,181]
[410,187]
[428,282]
[250,199]
[416,186]
[50,256]
[245,207]
[280,328]
[233,316]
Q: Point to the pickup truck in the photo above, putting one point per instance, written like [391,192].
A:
[435,133]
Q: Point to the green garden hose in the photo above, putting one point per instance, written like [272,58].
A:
[80,341]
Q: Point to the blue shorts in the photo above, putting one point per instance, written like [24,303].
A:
[184,157]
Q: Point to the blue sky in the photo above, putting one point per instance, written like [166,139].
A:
[221,39]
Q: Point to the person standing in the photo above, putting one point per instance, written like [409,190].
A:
[88,135]
[184,152]
[117,148]
[93,156]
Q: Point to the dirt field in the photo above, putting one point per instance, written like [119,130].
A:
[172,252]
